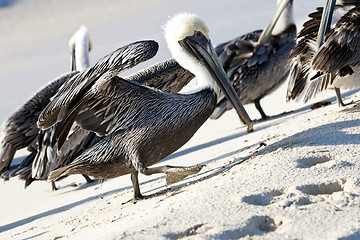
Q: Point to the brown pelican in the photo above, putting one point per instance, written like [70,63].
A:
[168,76]
[320,60]
[140,125]
[257,63]
[20,129]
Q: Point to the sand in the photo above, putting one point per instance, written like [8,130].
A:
[295,177]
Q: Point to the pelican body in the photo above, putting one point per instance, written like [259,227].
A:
[257,63]
[327,55]
[140,125]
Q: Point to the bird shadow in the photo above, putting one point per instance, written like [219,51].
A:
[271,121]
[58,209]
[69,206]
[161,190]
[328,134]
[202,176]
[334,134]
[355,235]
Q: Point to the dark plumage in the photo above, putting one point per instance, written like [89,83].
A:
[256,69]
[334,63]
[138,122]
[43,158]
[139,125]
[300,83]
[20,129]
[167,76]
[342,44]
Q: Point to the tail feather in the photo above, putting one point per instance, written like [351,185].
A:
[61,172]
[63,129]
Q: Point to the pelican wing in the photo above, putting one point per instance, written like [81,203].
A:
[48,158]
[101,72]
[167,76]
[342,45]
[350,2]
[20,129]
[22,170]
[311,26]
[119,105]
[240,52]
[300,71]
[304,81]
[239,44]
[243,58]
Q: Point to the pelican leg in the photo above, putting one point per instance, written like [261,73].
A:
[339,98]
[259,108]
[88,180]
[135,182]
[173,174]
[53,186]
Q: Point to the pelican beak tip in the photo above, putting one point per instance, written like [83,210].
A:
[250,127]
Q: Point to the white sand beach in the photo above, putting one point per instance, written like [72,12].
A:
[295,177]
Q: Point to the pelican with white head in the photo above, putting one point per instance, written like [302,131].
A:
[80,46]
[188,40]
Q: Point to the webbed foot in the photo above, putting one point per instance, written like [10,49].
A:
[176,174]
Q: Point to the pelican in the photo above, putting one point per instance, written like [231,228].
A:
[20,129]
[320,60]
[257,62]
[140,125]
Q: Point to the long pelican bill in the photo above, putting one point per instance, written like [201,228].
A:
[325,22]
[72,59]
[201,48]
[266,33]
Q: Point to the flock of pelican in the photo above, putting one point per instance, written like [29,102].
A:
[93,122]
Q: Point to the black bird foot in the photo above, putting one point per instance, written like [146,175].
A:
[137,198]
[264,117]
[259,108]
[342,104]
[272,117]
[53,186]
[339,99]
[88,180]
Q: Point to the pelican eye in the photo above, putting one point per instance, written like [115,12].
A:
[198,33]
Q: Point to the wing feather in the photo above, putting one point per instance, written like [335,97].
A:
[167,76]
[342,44]
[97,75]
[20,129]
[305,82]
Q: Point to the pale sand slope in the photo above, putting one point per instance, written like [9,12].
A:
[303,184]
